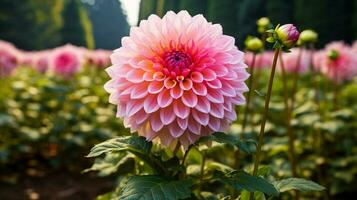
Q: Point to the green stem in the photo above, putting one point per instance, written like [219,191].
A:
[292,156]
[251,89]
[335,94]
[177,148]
[185,155]
[202,169]
[264,119]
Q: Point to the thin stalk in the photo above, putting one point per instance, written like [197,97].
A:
[177,147]
[202,169]
[250,86]
[291,135]
[264,118]
[292,156]
[335,94]
[185,155]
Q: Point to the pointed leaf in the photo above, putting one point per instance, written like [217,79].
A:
[300,184]
[132,143]
[155,187]
[241,180]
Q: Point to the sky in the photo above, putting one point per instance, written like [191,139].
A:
[131,8]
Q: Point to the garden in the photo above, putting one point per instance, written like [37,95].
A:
[217,100]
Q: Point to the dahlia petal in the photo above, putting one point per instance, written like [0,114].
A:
[135,76]
[139,92]
[150,104]
[186,84]
[167,115]
[199,89]
[239,99]
[183,123]
[208,74]
[189,99]
[155,87]
[155,122]
[193,126]
[215,84]
[217,110]
[170,83]
[228,90]
[175,130]
[121,110]
[215,96]
[111,85]
[164,99]
[176,92]
[197,77]
[114,97]
[214,124]
[220,70]
[140,116]
[148,76]
[201,118]
[231,115]
[159,76]
[181,110]
[133,107]
[203,105]
[223,57]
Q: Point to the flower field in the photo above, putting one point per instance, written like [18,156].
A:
[180,112]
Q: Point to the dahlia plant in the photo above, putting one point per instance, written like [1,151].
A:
[176,82]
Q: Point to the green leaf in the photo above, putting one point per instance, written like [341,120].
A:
[247,146]
[241,180]
[112,163]
[155,187]
[257,195]
[300,184]
[125,143]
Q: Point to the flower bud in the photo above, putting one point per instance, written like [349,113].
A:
[333,54]
[288,35]
[254,44]
[263,24]
[308,36]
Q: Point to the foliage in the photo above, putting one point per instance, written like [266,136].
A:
[52,119]
[110,12]
[39,20]
[238,17]
[77,28]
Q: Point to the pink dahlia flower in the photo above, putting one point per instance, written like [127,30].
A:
[41,61]
[100,57]
[354,47]
[291,61]
[66,60]
[338,62]
[177,78]
[8,58]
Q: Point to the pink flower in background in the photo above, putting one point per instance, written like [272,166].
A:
[317,59]
[8,58]
[262,61]
[41,61]
[66,60]
[27,58]
[99,57]
[291,61]
[177,78]
[354,47]
[338,62]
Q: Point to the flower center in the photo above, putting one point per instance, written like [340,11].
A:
[177,63]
